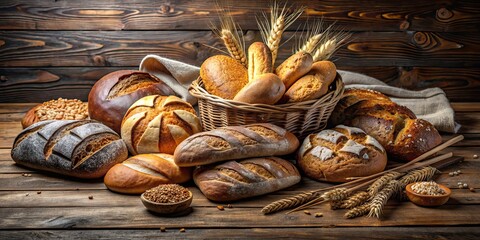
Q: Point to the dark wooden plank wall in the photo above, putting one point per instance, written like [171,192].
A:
[51,49]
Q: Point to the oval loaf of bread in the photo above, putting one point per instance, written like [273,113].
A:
[336,154]
[294,68]
[259,60]
[83,149]
[142,172]
[235,142]
[234,180]
[266,88]
[157,124]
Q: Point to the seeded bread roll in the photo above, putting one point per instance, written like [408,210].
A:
[313,85]
[266,88]
[60,109]
[294,68]
[396,127]
[142,172]
[333,155]
[157,124]
[114,93]
[235,142]
[83,149]
[259,60]
[234,180]
[223,76]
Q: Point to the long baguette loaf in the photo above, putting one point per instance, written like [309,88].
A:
[83,149]
[234,180]
[142,172]
[235,142]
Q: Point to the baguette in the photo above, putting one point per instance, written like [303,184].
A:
[235,142]
[142,172]
[83,149]
[234,180]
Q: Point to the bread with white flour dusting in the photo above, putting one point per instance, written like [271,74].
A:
[333,155]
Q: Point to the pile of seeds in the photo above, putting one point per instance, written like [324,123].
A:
[167,193]
[428,188]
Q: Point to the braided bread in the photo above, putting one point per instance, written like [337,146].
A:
[335,154]
[396,127]
[234,180]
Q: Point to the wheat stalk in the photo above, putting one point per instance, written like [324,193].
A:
[355,200]
[358,211]
[231,35]
[336,205]
[310,38]
[273,28]
[330,43]
[423,174]
[381,198]
[290,202]
[337,194]
[381,182]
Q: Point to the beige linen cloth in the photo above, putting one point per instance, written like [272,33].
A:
[430,104]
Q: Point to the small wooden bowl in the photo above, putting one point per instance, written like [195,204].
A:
[167,208]
[428,200]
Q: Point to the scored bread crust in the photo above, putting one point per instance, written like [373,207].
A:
[235,142]
[144,171]
[333,155]
[234,180]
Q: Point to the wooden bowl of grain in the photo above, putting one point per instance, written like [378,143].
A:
[422,194]
[167,199]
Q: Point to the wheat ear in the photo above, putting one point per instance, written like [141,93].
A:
[337,194]
[423,174]
[358,211]
[329,44]
[290,202]
[234,47]
[355,200]
[273,28]
[376,186]
[381,198]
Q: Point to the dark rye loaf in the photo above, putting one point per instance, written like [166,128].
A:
[83,149]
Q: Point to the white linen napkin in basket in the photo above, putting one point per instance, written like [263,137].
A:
[430,104]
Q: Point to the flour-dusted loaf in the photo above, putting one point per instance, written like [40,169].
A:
[234,180]
[83,149]
[333,155]
[294,68]
[223,76]
[235,142]
[157,124]
[396,127]
[144,171]
[114,93]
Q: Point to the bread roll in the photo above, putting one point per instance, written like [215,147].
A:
[259,60]
[234,180]
[60,109]
[115,92]
[223,76]
[336,154]
[313,85]
[83,149]
[235,142]
[266,88]
[142,172]
[157,124]
[294,67]
[396,127]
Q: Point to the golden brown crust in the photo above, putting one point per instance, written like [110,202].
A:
[142,172]
[266,88]
[259,60]
[59,109]
[294,67]
[223,76]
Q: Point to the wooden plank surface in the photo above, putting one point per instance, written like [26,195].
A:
[452,16]
[45,83]
[115,48]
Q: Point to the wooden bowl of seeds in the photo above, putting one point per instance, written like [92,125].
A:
[167,199]
[428,194]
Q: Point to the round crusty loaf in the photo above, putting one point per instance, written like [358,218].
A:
[157,124]
[294,68]
[266,88]
[83,149]
[59,109]
[223,76]
[142,172]
[396,127]
[333,155]
[115,92]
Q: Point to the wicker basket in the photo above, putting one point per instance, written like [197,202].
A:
[300,118]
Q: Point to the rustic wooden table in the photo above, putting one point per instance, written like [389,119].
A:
[35,204]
